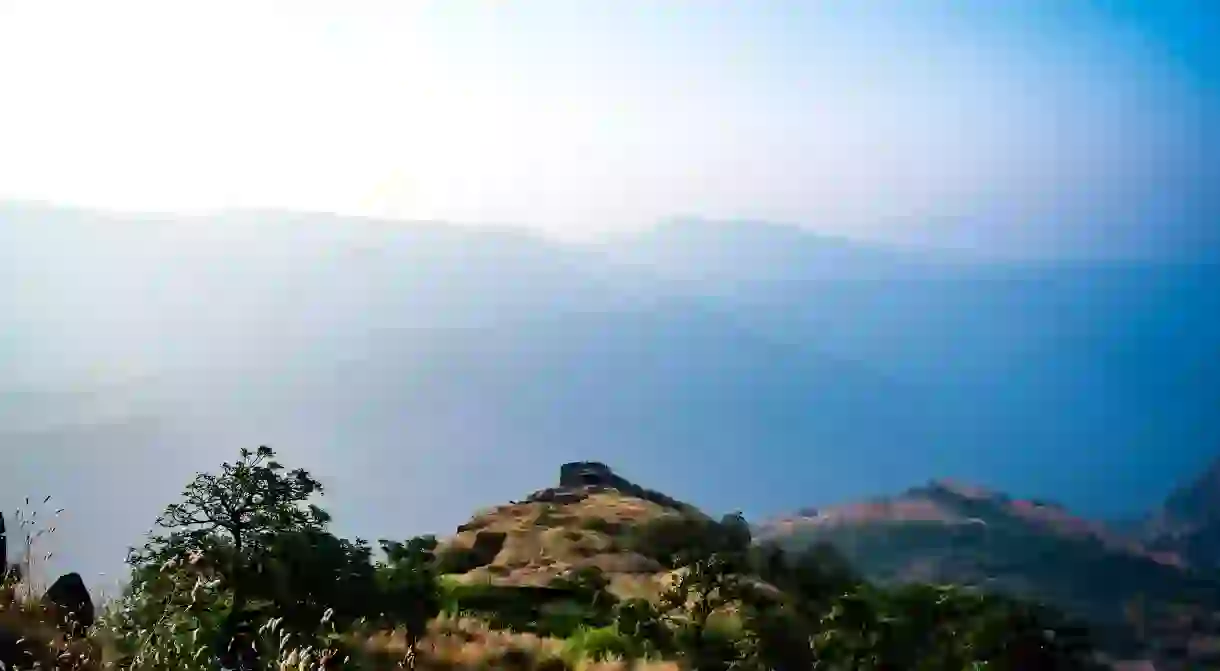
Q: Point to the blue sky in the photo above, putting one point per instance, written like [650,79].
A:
[1037,125]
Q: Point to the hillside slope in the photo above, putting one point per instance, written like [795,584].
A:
[1140,596]
[586,521]
[1188,524]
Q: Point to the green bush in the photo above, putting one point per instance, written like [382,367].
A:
[598,643]
[640,620]
[565,618]
[718,646]
[667,537]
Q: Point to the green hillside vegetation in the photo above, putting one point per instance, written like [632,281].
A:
[1138,603]
[244,572]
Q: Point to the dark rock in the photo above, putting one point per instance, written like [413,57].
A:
[559,495]
[69,602]
[460,558]
[9,573]
[487,544]
[3,551]
[581,473]
[596,476]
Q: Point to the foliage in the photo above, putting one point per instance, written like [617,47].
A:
[306,573]
[937,627]
[815,575]
[680,539]
[701,589]
[409,591]
[166,619]
[640,620]
[246,549]
[599,643]
[242,548]
[244,507]
[589,587]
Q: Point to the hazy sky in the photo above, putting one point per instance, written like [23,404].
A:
[1040,121]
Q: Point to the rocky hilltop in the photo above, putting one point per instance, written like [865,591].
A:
[581,479]
[588,520]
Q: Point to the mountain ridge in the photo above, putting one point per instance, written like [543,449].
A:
[1121,579]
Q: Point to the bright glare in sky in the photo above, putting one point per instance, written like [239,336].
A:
[577,118]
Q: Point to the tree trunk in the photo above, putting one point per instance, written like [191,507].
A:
[237,642]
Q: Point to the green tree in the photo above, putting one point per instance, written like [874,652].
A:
[733,534]
[409,588]
[814,576]
[235,517]
[699,590]
[931,627]
[590,586]
[641,621]
[305,575]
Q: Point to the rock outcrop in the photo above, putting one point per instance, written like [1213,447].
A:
[69,603]
[588,520]
[581,473]
[9,573]
[581,479]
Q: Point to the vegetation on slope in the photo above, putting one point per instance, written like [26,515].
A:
[1138,601]
[245,574]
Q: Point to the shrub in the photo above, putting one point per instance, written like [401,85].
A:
[717,647]
[599,643]
[564,619]
[666,537]
[641,621]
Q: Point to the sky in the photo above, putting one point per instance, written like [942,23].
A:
[1037,124]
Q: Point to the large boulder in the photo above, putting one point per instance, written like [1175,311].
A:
[9,573]
[68,601]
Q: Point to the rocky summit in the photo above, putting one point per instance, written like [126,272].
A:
[580,479]
[586,520]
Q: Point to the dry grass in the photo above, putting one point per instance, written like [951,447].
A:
[32,629]
[467,644]
[25,623]
[546,540]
